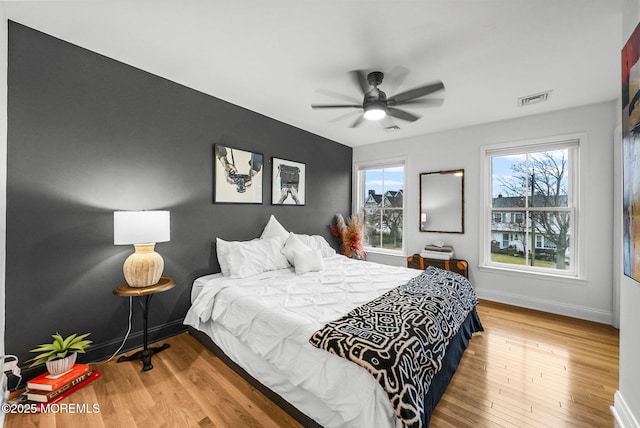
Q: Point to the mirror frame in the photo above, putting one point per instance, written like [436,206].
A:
[459,208]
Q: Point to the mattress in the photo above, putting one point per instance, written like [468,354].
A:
[264,323]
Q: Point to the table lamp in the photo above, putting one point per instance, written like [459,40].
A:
[143,229]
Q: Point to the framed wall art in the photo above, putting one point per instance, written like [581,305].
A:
[288,182]
[237,176]
[631,155]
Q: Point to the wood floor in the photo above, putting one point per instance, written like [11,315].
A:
[533,369]
[527,369]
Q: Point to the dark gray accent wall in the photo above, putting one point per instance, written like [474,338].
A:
[88,135]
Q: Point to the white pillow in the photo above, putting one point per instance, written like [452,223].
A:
[248,258]
[274,229]
[293,245]
[307,261]
[222,248]
[317,242]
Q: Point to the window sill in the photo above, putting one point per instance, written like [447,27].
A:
[388,257]
[531,274]
[382,251]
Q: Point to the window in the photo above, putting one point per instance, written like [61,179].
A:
[519,218]
[532,188]
[380,195]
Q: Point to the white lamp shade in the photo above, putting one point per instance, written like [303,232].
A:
[140,227]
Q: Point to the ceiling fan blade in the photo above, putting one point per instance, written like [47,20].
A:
[425,102]
[345,116]
[338,96]
[357,122]
[360,79]
[401,114]
[416,92]
[336,106]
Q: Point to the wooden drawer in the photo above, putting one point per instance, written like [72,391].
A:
[455,265]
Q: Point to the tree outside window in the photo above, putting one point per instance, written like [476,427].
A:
[382,196]
[532,189]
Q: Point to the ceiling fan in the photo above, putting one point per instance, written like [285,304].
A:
[376,105]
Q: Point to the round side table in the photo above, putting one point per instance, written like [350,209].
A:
[144,295]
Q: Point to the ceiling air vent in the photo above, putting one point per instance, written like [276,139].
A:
[534,99]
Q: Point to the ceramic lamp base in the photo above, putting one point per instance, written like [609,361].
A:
[144,267]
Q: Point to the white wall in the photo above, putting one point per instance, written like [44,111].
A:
[4,51]
[588,299]
[627,398]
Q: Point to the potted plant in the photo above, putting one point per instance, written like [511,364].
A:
[60,355]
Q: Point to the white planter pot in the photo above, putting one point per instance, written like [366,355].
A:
[62,365]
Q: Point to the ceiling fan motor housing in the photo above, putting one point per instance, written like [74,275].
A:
[375,78]
[375,96]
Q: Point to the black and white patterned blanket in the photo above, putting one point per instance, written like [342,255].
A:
[401,336]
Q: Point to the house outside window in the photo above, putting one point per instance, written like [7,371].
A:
[532,188]
[380,196]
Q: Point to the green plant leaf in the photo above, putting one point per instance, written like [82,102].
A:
[59,348]
[44,348]
[58,341]
[68,340]
[79,347]
[78,342]
[82,336]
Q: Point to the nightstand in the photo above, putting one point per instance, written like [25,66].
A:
[144,295]
[454,265]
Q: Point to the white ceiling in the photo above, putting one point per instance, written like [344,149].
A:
[272,56]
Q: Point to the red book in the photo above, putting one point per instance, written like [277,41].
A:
[47,396]
[49,382]
[94,375]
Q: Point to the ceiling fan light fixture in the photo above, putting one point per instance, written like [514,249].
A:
[375,104]
[374,112]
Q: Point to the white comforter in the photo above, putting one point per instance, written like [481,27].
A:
[275,313]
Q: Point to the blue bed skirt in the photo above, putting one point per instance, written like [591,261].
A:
[450,362]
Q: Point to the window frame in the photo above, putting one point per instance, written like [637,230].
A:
[577,145]
[359,190]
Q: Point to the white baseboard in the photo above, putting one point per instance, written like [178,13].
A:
[581,312]
[622,414]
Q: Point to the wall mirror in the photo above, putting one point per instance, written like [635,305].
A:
[442,201]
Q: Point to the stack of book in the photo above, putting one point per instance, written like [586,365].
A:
[437,251]
[48,388]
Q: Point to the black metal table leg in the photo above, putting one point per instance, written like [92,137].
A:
[147,352]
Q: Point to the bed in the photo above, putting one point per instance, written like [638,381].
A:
[263,317]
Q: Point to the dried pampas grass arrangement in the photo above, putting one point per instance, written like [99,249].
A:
[349,235]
